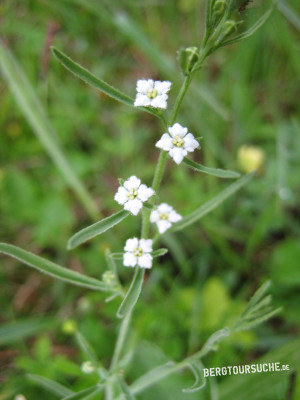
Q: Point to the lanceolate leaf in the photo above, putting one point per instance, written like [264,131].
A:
[96,229]
[159,252]
[221,173]
[86,348]
[52,269]
[211,204]
[249,32]
[50,385]
[97,83]
[19,330]
[133,293]
[197,368]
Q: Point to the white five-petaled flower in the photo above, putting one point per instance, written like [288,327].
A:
[132,194]
[138,252]
[152,93]
[164,216]
[178,142]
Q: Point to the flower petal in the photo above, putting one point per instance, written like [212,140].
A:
[131,244]
[160,101]
[132,183]
[129,260]
[177,154]
[144,193]
[145,261]
[134,206]
[146,245]
[142,100]
[174,216]
[165,142]
[143,85]
[163,225]
[121,195]
[177,130]
[162,87]
[164,208]
[154,216]
[190,143]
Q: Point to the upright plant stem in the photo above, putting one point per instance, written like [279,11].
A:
[120,341]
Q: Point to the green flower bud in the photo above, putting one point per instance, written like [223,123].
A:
[109,277]
[69,327]
[187,58]
[219,8]
[230,27]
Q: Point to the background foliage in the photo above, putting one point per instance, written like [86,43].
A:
[247,94]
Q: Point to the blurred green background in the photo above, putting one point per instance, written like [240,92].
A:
[247,94]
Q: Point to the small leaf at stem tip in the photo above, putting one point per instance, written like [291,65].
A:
[197,368]
[96,229]
[220,173]
[52,269]
[159,252]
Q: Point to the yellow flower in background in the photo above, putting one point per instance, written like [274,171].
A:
[250,158]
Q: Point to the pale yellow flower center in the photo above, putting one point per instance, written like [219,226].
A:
[178,141]
[137,252]
[152,93]
[132,193]
[164,217]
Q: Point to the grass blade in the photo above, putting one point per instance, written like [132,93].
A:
[133,293]
[52,269]
[50,385]
[220,173]
[85,75]
[19,330]
[33,111]
[211,204]
[96,229]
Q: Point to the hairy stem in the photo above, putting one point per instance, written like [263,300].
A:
[120,341]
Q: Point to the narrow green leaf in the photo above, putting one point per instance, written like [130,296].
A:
[86,348]
[52,269]
[249,32]
[85,75]
[257,296]
[289,13]
[96,229]
[34,112]
[19,330]
[133,293]
[159,252]
[197,368]
[151,377]
[245,325]
[220,173]
[50,385]
[211,204]
[84,394]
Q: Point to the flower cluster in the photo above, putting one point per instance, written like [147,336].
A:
[178,142]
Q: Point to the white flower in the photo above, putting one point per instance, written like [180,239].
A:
[150,93]
[132,195]
[178,142]
[164,216]
[137,252]
[87,367]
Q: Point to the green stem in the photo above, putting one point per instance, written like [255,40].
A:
[120,341]
[179,99]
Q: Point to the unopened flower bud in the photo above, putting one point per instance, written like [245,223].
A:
[230,27]
[219,8]
[187,58]
[87,367]
[250,158]
[109,277]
